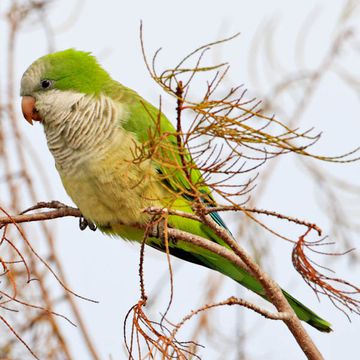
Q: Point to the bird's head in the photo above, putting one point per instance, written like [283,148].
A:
[55,81]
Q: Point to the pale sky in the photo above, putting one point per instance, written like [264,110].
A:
[107,269]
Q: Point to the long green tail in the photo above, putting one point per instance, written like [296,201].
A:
[247,280]
[307,315]
[210,260]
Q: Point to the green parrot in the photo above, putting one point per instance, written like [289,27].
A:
[93,126]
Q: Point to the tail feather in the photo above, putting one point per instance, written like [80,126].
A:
[216,262]
[307,315]
[247,280]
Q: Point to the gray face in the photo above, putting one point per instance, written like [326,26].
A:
[31,81]
[74,122]
[52,105]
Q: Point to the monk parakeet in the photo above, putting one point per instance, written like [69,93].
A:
[93,125]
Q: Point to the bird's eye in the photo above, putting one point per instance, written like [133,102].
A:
[45,84]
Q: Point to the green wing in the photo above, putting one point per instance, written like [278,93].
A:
[144,119]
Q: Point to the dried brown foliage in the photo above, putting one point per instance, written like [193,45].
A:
[235,127]
[231,138]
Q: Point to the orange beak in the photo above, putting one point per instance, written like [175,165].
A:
[28,109]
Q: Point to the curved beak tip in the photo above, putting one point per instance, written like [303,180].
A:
[29,110]
[28,119]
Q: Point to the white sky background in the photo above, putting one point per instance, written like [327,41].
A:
[107,269]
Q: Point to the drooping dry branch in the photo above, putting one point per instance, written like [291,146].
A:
[239,139]
[244,261]
[344,295]
[237,256]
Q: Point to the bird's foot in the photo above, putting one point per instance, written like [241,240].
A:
[84,223]
[159,231]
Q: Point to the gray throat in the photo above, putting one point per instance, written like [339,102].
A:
[74,131]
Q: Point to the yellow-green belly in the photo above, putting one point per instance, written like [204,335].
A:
[114,191]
